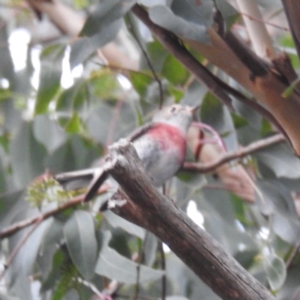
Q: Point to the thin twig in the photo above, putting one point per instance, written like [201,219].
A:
[140,297]
[6,232]
[138,274]
[140,260]
[264,22]
[163,267]
[93,288]
[160,88]
[227,157]
[19,246]
[123,69]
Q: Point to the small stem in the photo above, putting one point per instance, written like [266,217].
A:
[19,246]
[227,157]
[160,88]
[163,267]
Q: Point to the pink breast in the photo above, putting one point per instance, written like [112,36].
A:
[169,137]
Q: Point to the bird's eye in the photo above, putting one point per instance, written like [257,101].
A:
[173,109]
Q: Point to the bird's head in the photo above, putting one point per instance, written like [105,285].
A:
[180,116]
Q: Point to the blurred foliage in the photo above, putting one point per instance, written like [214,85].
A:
[48,126]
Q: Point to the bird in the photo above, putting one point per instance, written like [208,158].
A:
[161,146]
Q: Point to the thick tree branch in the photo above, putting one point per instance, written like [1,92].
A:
[268,89]
[193,245]
[227,157]
[292,11]
[173,45]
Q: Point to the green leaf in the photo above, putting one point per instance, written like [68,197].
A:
[2,178]
[79,232]
[51,69]
[281,160]
[5,94]
[276,270]
[116,221]
[287,227]
[114,266]
[150,249]
[214,113]
[48,133]
[105,13]
[181,26]
[140,82]
[239,121]
[84,47]
[27,155]
[74,124]
[266,128]
[288,43]
[24,261]
[176,93]
[73,155]
[104,83]
[174,71]
[6,63]
[157,54]
[288,92]
[80,4]
[12,208]
[66,99]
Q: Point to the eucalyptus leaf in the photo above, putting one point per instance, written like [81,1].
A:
[12,208]
[51,70]
[105,13]
[219,118]
[276,270]
[150,3]
[291,285]
[116,221]
[164,17]
[286,227]
[182,279]
[48,133]
[114,266]
[75,154]
[24,261]
[27,155]
[6,62]
[281,160]
[79,232]
[7,297]
[84,47]
[150,248]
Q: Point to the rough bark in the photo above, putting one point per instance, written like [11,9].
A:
[158,214]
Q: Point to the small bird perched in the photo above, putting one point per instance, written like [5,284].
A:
[161,146]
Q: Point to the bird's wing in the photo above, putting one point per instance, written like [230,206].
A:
[140,131]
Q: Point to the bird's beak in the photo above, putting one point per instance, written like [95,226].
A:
[194,109]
